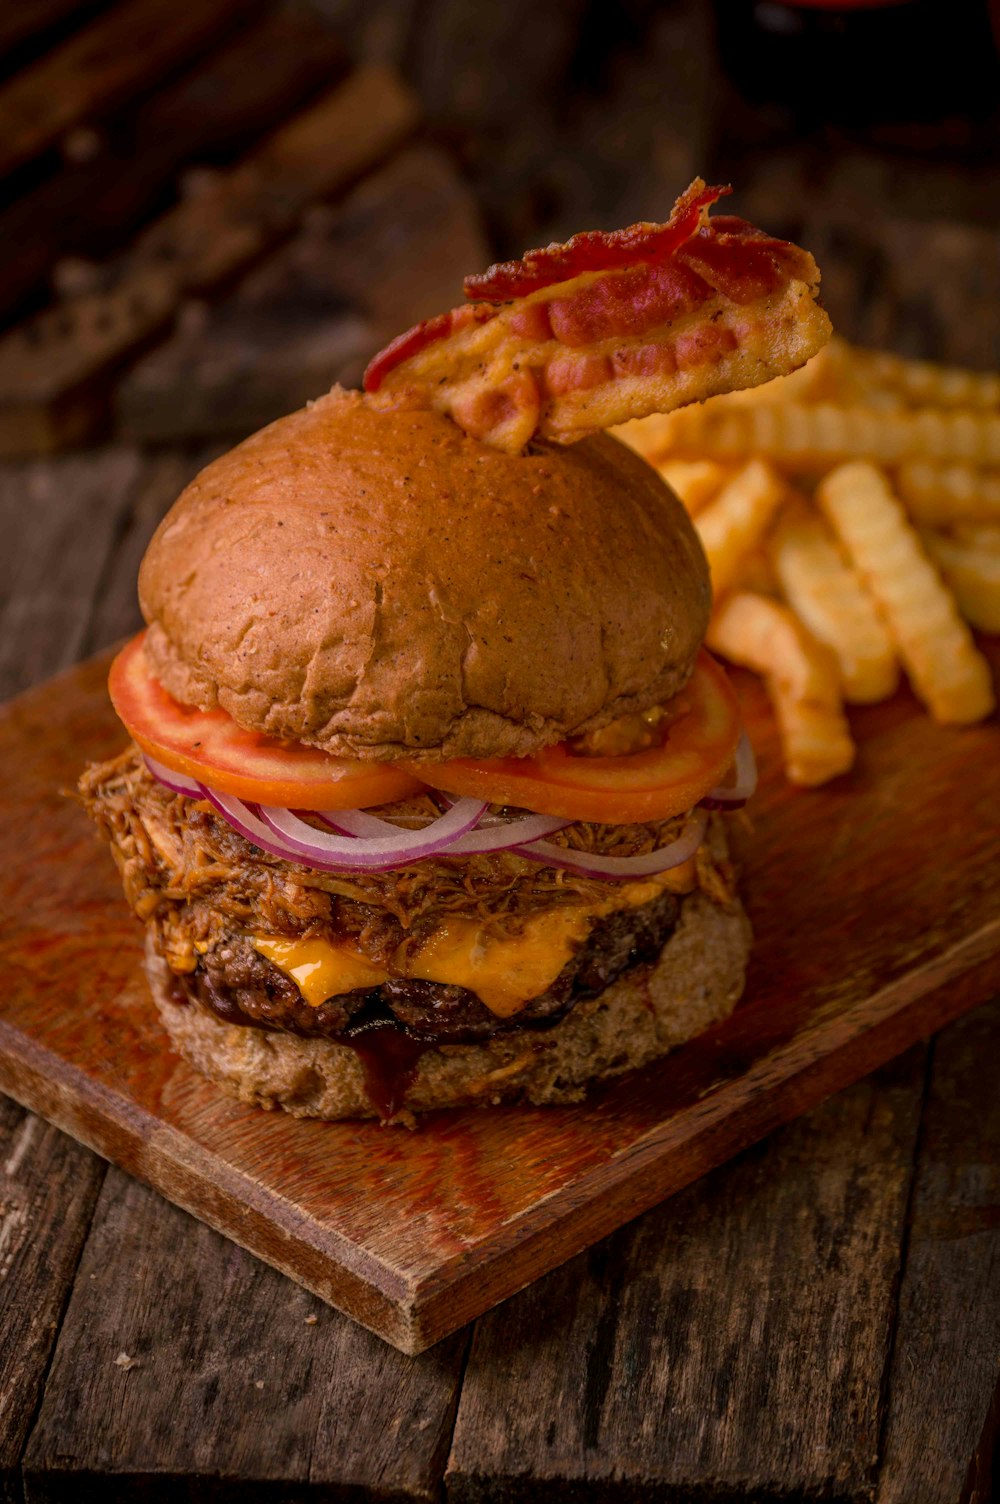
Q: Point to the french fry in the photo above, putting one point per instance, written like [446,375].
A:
[972,572]
[801,679]
[802,436]
[922,383]
[945,668]
[694,481]
[734,523]
[938,495]
[827,595]
[755,573]
[649,437]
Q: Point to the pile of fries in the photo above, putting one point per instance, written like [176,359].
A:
[851,517]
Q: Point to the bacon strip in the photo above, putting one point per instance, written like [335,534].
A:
[596,250]
[610,327]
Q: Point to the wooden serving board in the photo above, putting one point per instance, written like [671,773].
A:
[876,906]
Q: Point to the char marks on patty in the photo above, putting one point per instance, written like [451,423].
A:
[240,986]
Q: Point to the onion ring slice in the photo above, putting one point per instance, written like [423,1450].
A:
[621,868]
[376,853]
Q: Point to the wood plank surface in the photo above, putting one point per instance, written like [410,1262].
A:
[231,1374]
[48,1189]
[243,89]
[52,568]
[128,48]
[33,21]
[947,1373]
[393,252]
[729,1344]
[200,244]
[113,611]
[412,1234]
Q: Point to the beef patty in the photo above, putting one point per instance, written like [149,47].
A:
[238,985]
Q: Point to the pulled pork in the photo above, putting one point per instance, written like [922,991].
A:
[199,882]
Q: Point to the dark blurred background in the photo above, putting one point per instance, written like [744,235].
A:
[212,212]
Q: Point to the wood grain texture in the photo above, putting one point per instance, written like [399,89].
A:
[730,1343]
[412,1234]
[32,21]
[48,1190]
[218,108]
[197,246]
[948,1342]
[393,252]
[113,611]
[51,567]
[237,1377]
[128,48]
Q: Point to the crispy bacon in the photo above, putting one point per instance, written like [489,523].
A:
[610,327]
[639,298]
[428,332]
[596,251]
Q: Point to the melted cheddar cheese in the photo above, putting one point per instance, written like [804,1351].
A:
[505,973]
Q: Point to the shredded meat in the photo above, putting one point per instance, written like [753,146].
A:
[189,873]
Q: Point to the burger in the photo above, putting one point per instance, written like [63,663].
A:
[425,799]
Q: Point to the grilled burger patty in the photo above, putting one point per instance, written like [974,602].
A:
[238,985]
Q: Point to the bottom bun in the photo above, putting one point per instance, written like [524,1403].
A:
[644,1014]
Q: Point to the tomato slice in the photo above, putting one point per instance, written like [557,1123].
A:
[209,746]
[695,746]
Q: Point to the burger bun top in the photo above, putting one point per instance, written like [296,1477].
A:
[377,583]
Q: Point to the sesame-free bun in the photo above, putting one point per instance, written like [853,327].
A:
[377,583]
[648,1011]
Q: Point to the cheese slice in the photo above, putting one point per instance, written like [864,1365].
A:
[320,969]
[505,973]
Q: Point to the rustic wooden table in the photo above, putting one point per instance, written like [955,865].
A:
[820,1319]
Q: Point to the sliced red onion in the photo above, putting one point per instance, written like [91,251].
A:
[507,835]
[376,853]
[499,835]
[245,818]
[355,822]
[740,783]
[175,782]
[592,864]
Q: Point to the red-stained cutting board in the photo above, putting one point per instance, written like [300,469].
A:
[876,907]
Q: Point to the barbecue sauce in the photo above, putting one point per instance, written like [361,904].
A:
[389,1058]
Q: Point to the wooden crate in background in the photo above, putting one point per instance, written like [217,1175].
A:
[153,155]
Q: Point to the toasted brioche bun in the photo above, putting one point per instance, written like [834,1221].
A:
[645,1013]
[381,585]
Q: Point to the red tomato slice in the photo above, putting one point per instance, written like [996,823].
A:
[209,746]
[696,747]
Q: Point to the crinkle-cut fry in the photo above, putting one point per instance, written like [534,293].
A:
[799,435]
[695,482]
[755,573]
[801,679]
[922,383]
[939,495]
[649,436]
[982,535]
[828,596]
[944,667]
[972,571]
[735,522]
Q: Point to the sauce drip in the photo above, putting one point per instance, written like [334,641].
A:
[389,1058]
